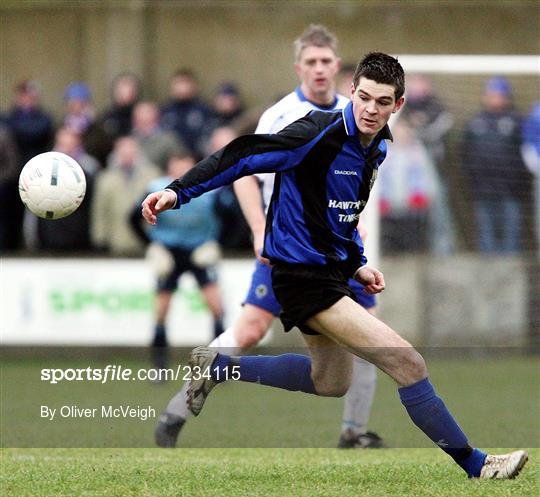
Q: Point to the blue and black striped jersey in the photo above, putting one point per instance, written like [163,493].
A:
[323,180]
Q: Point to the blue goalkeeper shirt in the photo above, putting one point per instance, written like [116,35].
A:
[195,225]
[323,180]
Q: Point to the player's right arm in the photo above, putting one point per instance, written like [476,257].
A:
[250,199]
[244,156]
[157,202]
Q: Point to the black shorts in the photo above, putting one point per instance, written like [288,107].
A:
[182,263]
[304,291]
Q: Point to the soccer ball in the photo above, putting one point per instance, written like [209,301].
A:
[52,185]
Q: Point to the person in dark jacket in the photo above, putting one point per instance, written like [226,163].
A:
[498,178]
[185,113]
[32,130]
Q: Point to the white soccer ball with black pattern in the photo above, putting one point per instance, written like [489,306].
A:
[52,185]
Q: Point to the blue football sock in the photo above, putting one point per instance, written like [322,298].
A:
[287,371]
[429,413]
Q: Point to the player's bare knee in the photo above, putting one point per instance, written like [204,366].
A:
[415,366]
[331,387]
[334,390]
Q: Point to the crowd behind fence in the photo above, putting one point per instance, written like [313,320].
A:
[448,184]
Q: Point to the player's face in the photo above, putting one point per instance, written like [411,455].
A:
[317,69]
[373,104]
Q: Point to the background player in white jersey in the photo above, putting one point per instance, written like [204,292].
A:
[316,64]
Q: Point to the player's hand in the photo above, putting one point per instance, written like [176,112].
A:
[371,278]
[157,202]
[258,245]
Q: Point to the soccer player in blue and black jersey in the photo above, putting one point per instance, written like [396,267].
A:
[325,165]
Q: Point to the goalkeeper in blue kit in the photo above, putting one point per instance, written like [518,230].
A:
[325,165]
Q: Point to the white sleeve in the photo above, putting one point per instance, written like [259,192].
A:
[266,122]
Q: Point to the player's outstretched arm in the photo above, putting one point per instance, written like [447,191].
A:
[249,197]
[157,202]
[371,278]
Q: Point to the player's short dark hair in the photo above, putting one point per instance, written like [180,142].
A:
[315,35]
[381,68]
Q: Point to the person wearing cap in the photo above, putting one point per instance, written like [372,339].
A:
[226,104]
[498,179]
[78,104]
[226,110]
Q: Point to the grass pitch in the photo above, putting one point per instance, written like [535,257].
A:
[238,446]
[249,473]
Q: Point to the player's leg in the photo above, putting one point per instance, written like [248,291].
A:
[359,397]
[159,347]
[258,311]
[213,301]
[331,366]
[327,372]
[260,307]
[207,280]
[166,286]
[357,409]
[351,326]
[162,305]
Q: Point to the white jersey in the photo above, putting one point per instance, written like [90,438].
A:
[289,109]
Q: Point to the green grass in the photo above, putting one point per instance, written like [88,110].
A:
[249,472]
[496,401]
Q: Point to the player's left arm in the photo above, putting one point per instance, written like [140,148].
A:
[371,278]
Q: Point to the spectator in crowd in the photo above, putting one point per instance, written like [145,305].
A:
[70,233]
[431,123]
[185,113]
[408,187]
[226,110]
[226,105]
[497,176]
[79,114]
[531,156]
[125,92]
[426,115]
[31,126]
[116,120]
[117,188]
[9,171]
[182,241]
[157,144]
[235,233]
[32,130]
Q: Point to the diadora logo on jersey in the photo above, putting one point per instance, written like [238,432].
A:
[346,173]
[346,204]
